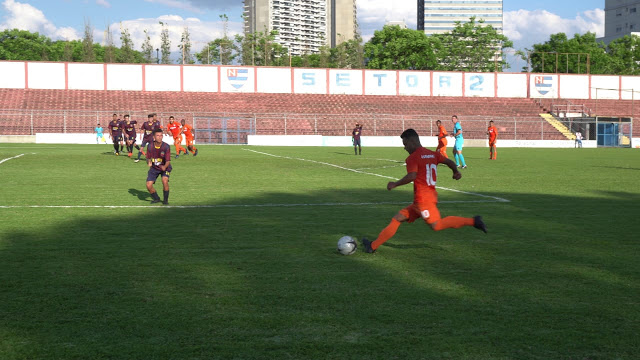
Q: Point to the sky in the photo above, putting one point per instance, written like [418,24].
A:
[525,22]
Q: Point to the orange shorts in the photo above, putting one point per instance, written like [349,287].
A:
[428,212]
[177,140]
[189,141]
[492,143]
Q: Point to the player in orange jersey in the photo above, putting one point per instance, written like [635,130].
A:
[442,139]
[175,130]
[422,168]
[187,130]
[493,136]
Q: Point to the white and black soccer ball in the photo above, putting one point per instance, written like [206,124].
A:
[347,245]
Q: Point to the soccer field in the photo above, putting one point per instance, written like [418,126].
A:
[242,264]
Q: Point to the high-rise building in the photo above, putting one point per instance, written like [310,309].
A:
[303,25]
[621,17]
[438,17]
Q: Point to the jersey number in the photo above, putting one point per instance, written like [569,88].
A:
[432,171]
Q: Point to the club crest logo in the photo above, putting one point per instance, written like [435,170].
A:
[237,77]
[543,84]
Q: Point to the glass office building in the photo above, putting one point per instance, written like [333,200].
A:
[437,17]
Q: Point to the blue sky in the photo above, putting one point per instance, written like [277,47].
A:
[525,22]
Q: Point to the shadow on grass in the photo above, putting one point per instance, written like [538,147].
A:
[142,195]
[548,281]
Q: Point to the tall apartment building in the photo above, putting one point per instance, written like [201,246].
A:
[621,17]
[437,17]
[303,25]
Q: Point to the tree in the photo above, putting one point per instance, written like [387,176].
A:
[395,48]
[67,54]
[165,45]
[147,49]
[109,48]
[624,53]
[127,54]
[579,55]
[88,53]
[23,45]
[472,46]
[185,48]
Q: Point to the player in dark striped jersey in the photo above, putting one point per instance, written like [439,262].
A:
[130,134]
[115,130]
[147,129]
[159,161]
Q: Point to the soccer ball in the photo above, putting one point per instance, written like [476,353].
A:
[347,245]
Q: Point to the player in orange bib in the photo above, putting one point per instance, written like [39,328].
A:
[442,140]
[493,136]
[187,130]
[176,131]
[422,168]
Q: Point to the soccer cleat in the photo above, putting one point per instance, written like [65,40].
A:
[177,156]
[117,154]
[165,203]
[479,224]
[130,154]
[367,246]
[464,167]
[136,160]
[155,201]
[195,153]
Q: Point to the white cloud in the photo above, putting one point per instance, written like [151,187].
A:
[104,3]
[526,28]
[26,17]
[184,5]
[200,32]
[373,14]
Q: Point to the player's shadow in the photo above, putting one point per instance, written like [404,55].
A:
[412,246]
[142,195]
[342,153]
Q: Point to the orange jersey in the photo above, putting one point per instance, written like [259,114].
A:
[188,131]
[442,136]
[424,162]
[174,128]
[493,133]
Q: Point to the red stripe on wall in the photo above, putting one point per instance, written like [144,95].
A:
[620,88]
[26,75]
[328,81]
[181,78]
[105,76]
[219,79]
[558,87]
[66,76]
[464,87]
[293,90]
[430,83]
[528,85]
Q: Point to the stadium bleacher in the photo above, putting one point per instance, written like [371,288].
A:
[304,113]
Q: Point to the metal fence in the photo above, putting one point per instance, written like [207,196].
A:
[30,122]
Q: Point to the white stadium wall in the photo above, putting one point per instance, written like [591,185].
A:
[12,75]
[85,76]
[200,78]
[248,79]
[512,85]
[125,77]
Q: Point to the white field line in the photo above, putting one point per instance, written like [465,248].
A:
[7,159]
[219,206]
[495,198]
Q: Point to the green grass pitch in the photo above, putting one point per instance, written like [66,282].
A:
[243,265]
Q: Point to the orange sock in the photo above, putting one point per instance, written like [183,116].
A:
[453,222]
[495,154]
[386,233]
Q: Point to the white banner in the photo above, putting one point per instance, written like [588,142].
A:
[378,82]
[345,82]
[544,86]
[417,83]
[13,75]
[237,79]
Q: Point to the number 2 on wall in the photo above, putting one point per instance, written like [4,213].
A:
[432,171]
